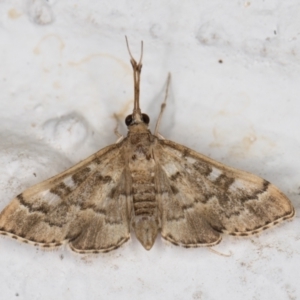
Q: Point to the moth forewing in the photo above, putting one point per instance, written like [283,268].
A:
[229,200]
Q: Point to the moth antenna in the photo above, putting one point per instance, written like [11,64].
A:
[163,106]
[137,68]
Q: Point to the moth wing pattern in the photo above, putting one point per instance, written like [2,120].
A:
[85,206]
[150,184]
[199,198]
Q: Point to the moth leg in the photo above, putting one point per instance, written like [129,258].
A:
[220,253]
[162,108]
[116,130]
[160,136]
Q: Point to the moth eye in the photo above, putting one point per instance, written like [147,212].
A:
[128,120]
[145,118]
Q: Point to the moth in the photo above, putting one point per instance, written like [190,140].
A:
[146,184]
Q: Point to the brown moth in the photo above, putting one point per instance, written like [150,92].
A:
[147,184]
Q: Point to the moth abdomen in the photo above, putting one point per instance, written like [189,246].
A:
[144,201]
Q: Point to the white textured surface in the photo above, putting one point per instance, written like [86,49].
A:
[64,72]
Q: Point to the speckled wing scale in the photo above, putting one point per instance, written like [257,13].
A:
[147,184]
[205,198]
[75,207]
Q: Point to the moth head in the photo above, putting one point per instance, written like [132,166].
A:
[135,119]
